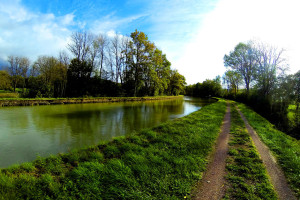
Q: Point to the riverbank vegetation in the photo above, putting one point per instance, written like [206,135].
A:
[101,66]
[12,101]
[257,76]
[246,175]
[285,148]
[261,69]
[161,163]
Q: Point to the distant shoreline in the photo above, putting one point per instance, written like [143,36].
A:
[54,101]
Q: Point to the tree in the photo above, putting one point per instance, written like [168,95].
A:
[44,66]
[269,63]
[80,45]
[243,60]
[233,79]
[79,77]
[98,53]
[159,73]
[115,52]
[138,60]
[64,58]
[5,82]
[101,44]
[52,73]
[177,83]
[18,68]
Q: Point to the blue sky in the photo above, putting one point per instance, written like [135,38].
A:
[194,34]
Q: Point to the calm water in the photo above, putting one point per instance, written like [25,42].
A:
[26,132]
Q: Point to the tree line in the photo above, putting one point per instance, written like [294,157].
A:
[100,66]
[256,75]
[206,89]
[260,70]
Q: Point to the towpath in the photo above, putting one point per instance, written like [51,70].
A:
[212,184]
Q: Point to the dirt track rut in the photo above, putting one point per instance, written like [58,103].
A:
[212,184]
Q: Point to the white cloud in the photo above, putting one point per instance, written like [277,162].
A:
[112,23]
[68,19]
[234,21]
[31,34]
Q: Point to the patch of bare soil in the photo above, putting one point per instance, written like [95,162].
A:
[212,184]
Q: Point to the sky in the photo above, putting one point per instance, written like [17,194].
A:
[194,34]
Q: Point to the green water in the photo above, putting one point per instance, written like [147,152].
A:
[26,132]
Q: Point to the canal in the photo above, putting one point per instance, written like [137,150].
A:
[28,132]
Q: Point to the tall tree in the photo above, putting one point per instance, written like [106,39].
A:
[138,59]
[270,63]
[177,83]
[64,58]
[18,68]
[243,60]
[80,45]
[79,77]
[116,49]
[53,75]
[101,44]
[160,73]
[233,79]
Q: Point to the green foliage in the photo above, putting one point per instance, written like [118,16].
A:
[161,163]
[5,82]
[269,89]
[286,149]
[177,83]
[208,88]
[148,71]
[79,76]
[102,66]
[247,176]
[274,106]
[232,79]
[242,60]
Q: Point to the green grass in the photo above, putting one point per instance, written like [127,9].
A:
[291,114]
[246,175]
[80,98]
[9,95]
[160,163]
[285,148]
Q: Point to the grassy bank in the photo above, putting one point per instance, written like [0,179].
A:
[4,95]
[285,148]
[246,175]
[53,101]
[160,163]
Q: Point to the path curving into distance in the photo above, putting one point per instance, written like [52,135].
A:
[211,185]
[278,179]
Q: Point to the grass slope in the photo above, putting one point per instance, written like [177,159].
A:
[160,163]
[246,175]
[285,148]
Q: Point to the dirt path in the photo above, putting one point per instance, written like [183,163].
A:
[212,184]
[277,177]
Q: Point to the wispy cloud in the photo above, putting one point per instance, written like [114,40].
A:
[112,23]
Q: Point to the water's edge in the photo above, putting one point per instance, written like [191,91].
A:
[34,102]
